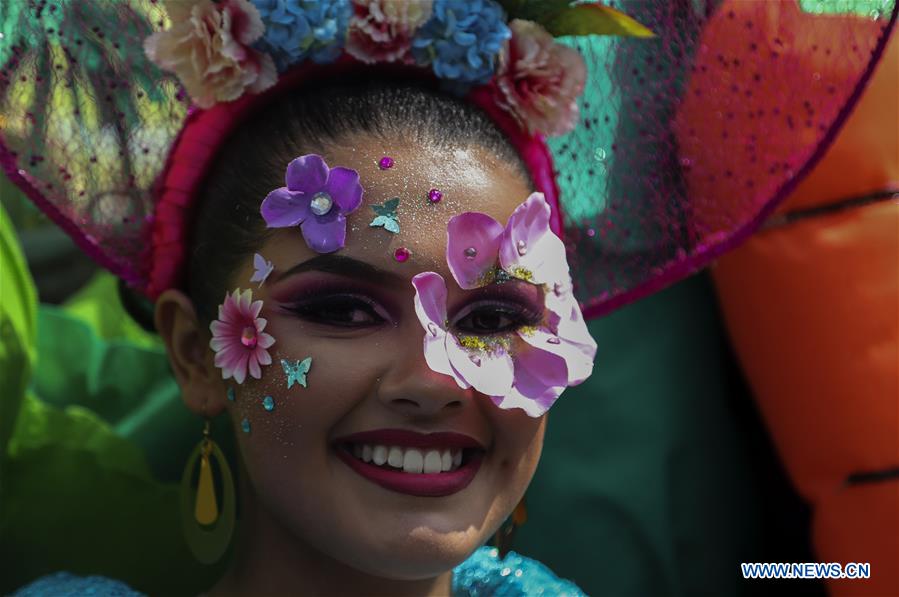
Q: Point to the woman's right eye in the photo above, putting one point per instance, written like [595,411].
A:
[341,311]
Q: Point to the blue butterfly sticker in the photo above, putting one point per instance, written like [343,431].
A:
[296,371]
[387,217]
[263,269]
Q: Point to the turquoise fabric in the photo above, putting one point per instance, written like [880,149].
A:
[483,574]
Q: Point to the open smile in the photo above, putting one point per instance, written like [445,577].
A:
[426,465]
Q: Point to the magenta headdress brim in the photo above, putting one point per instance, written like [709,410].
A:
[109,146]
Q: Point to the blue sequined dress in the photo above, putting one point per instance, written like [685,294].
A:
[483,574]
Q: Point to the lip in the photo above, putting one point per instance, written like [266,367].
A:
[417,484]
[412,439]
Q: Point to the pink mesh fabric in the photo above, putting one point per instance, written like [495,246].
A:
[87,126]
[87,121]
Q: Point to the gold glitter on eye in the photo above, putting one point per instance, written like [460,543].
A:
[488,344]
[527,330]
[522,273]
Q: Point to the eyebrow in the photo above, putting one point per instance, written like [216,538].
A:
[343,266]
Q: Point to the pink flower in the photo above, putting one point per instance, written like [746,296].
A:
[208,47]
[382,30]
[539,80]
[530,368]
[239,343]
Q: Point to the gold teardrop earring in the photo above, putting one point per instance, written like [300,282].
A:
[506,533]
[208,532]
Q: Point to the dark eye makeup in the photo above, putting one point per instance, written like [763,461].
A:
[337,304]
[486,317]
[340,304]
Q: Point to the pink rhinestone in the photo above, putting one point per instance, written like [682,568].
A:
[386,163]
[434,196]
[248,337]
[402,254]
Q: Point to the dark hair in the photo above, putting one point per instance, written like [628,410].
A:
[227,224]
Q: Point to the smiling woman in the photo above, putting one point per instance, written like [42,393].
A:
[382,470]
[348,218]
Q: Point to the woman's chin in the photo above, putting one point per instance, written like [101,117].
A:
[416,558]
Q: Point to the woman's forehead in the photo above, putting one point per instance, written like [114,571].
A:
[467,178]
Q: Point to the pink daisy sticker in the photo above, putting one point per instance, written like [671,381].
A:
[239,343]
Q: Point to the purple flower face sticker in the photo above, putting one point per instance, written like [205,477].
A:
[317,199]
[530,367]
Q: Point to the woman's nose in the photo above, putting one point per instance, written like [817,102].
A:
[413,388]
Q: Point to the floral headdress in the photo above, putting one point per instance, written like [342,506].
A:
[113,146]
[222,50]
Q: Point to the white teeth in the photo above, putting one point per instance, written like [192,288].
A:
[412,461]
[395,457]
[433,462]
[379,455]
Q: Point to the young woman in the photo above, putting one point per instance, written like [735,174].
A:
[358,260]
[374,472]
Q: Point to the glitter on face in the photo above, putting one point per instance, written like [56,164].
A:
[248,337]
[385,163]
[470,253]
[231,395]
[268,403]
[245,425]
[488,344]
[434,196]
[321,203]
[522,273]
[402,254]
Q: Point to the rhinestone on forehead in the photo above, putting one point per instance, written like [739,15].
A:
[402,254]
[321,203]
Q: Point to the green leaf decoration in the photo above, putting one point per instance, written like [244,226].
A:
[595,19]
[387,215]
[389,224]
[560,18]
[388,208]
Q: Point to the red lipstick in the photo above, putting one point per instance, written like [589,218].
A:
[417,484]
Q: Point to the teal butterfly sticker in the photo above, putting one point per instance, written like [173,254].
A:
[296,371]
[387,217]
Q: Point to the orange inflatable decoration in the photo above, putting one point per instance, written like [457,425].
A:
[812,307]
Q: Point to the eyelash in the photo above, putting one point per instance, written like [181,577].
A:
[315,310]
[520,316]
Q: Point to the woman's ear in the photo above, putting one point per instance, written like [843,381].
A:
[187,344]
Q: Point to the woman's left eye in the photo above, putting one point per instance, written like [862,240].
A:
[495,319]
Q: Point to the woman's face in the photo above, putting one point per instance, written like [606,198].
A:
[352,312]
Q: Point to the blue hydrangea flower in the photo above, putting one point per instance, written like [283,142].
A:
[462,40]
[296,30]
